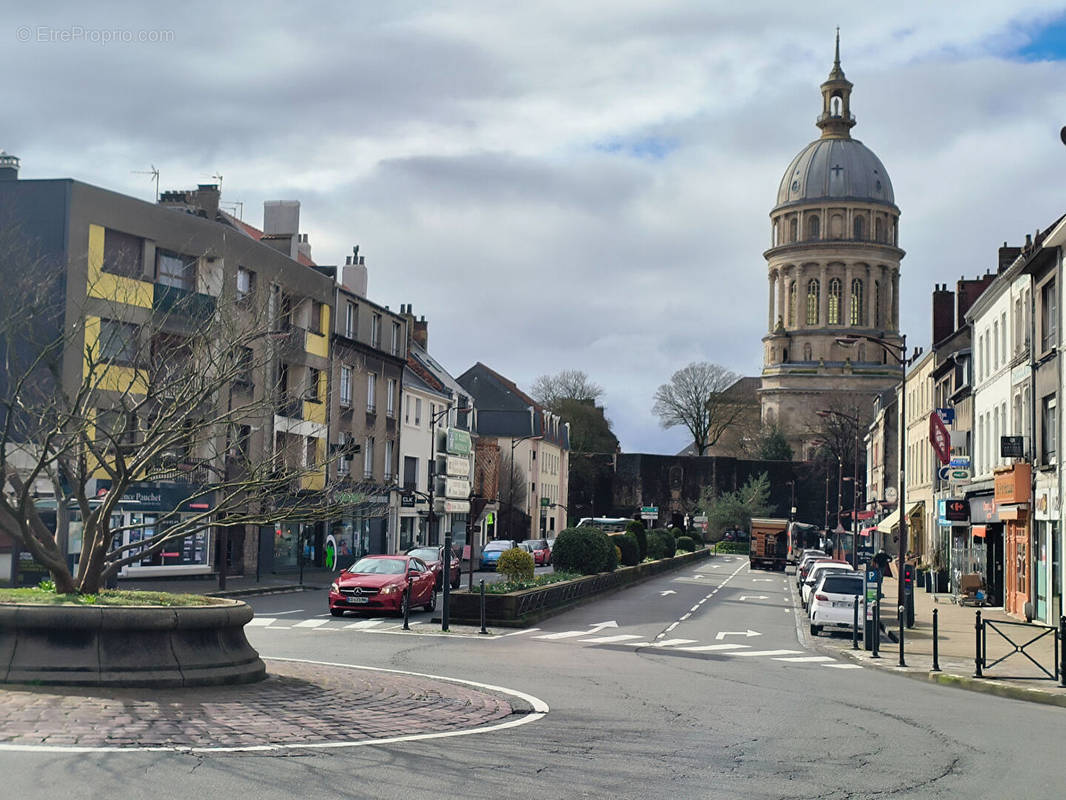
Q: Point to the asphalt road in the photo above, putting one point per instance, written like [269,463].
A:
[697,684]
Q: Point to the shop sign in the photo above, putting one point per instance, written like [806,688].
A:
[456,506]
[157,497]
[1012,485]
[458,442]
[947,415]
[457,488]
[1047,502]
[983,510]
[407,500]
[953,510]
[1012,446]
[939,438]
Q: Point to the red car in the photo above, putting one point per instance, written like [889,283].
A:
[377,583]
[542,553]
[434,558]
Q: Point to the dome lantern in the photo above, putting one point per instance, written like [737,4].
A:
[836,119]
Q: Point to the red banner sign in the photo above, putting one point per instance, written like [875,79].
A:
[940,438]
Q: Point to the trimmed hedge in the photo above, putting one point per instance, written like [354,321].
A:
[661,544]
[636,527]
[628,549]
[584,550]
[686,543]
[516,564]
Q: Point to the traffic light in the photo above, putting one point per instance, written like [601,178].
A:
[908,578]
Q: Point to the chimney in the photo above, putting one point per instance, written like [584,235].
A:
[943,313]
[303,247]
[206,198]
[9,167]
[421,333]
[281,226]
[1007,256]
[967,291]
[353,276]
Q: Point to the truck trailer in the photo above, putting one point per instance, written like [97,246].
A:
[768,548]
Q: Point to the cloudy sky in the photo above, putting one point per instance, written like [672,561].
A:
[557,185]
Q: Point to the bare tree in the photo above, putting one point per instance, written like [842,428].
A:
[696,398]
[136,389]
[570,384]
[513,492]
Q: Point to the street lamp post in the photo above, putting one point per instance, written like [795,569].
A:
[825,412]
[898,352]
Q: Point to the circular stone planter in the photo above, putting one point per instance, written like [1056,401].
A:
[147,646]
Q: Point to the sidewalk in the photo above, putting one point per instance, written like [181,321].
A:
[1015,675]
[236,585]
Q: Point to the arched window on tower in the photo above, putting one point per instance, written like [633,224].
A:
[813,227]
[774,239]
[858,311]
[807,353]
[793,229]
[860,228]
[792,321]
[877,304]
[835,106]
[834,301]
[879,229]
[812,301]
[862,354]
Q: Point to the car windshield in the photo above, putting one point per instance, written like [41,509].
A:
[842,584]
[499,546]
[378,566]
[425,553]
[536,544]
[816,572]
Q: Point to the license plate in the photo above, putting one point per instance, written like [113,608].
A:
[358,600]
[843,604]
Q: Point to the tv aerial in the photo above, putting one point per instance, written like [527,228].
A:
[155,176]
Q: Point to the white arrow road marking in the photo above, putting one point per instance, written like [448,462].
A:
[706,648]
[261,622]
[804,659]
[754,597]
[746,634]
[363,624]
[599,626]
[698,577]
[311,623]
[519,633]
[668,591]
[765,653]
[671,642]
[621,637]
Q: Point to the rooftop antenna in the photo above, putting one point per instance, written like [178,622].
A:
[218,177]
[155,176]
[237,206]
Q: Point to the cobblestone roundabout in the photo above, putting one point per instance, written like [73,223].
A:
[298,704]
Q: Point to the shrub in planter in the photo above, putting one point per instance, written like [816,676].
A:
[661,544]
[677,532]
[628,549]
[584,550]
[686,543]
[637,529]
[516,564]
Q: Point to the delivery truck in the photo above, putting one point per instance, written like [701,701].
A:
[768,548]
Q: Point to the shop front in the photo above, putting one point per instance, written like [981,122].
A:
[1047,562]
[1012,496]
[978,550]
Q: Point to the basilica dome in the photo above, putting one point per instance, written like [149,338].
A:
[835,169]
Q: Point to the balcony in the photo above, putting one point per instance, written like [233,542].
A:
[182,302]
[289,405]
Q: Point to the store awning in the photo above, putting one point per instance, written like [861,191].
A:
[891,522]
[978,531]
[868,531]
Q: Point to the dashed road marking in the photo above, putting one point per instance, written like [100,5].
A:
[805,659]
[311,623]
[261,622]
[622,637]
[843,666]
[766,653]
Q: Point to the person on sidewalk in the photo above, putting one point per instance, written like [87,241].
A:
[883,563]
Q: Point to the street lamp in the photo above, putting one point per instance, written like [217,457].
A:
[898,352]
[825,413]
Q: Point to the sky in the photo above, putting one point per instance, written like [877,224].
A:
[557,185]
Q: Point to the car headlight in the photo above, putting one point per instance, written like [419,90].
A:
[333,587]
[391,589]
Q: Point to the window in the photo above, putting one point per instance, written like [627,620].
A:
[995,345]
[375,331]
[351,318]
[879,229]
[396,338]
[877,304]
[344,464]
[313,381]
[123,254]
[407,409]
[860,228]
[812,301]
[390,399]
[118,342]
[410,472]
[1003,336]
[389,448]
[418,411]
[240,442]
[371,393]
[368,458]
[834,301]
[245,283]
[813,227]
[244,365]
[316,317]
[1049,424]
[1048,316]
[175,269]
[346,387]
[311,448]
[858,312]
[793,229]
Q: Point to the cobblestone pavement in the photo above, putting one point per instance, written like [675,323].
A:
[299,704]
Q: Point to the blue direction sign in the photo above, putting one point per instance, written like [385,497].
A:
[947,415]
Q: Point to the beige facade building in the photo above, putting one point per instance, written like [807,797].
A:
[833,269]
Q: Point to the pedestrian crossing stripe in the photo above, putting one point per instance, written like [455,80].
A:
[709,648]
[311,623]
[261,622]
[765,653]
[621,637]
[843,666]
[804,659]
[363,624]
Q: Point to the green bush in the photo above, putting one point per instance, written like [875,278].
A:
[584,550]
[732,547]
[516,564]
[686,543]
[628,549]
[661,544]
[677,532]
[637,529]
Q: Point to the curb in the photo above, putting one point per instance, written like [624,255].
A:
[266,590]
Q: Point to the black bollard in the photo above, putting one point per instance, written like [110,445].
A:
[446,582]
[977,647]
[877,624]
[1062,653]
[855,625]
[483,607]
[936,641]
[902,616]
[407,605]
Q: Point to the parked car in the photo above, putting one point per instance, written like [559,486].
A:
[819,568]
[434,558]
[378,583]
[833,602]
[490,553]
[804,566]
[541,551]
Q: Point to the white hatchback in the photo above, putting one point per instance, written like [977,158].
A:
[833,602]
[819,568]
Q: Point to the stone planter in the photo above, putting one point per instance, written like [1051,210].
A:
[143,646]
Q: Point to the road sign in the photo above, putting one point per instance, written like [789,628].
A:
[890,494]
[959,461]
[939,438]
[947,415]
[699,518]
[959,475]
[650,510]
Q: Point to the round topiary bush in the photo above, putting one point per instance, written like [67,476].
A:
[584,550]
[516,564]
[661,544]
[686,543]
[677,532]
[637,529]
[628,549]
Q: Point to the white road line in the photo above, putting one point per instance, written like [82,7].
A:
[311,623]
[519,633]
[694,609]
[707,648]
[622,637]
[670,627]
[843,666]
[563,635]
[685,616]
[766,653]
[805,659]
[671,642]
[261,622]
[363,624]
[294,611]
